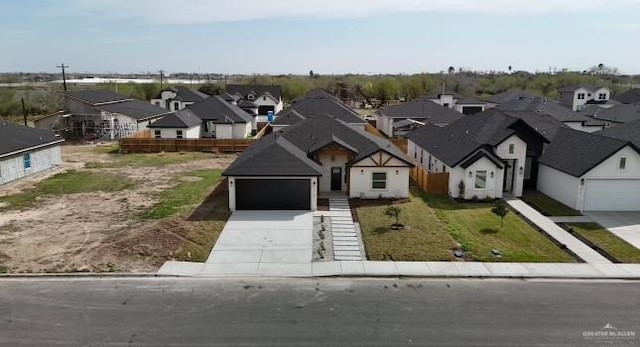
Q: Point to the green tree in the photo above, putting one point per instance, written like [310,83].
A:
[393,212]
[500,209]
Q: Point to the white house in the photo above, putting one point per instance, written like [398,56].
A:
[265,97]
[108,115]
[392,120]
[464,105]
[182,124]
[25,151]
[590,172]
[221,119]
[486,155]
[177,98]
[578,96]
[317,155]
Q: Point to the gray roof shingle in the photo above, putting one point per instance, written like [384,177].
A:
[187,94]
[257,89]
[575,152]
[509,95]
[313,107]
[628,132]
[178,119]
[136,109]
[543,106]
[422,110]
[621,113]
[16,138]
[219,111]
[631,96]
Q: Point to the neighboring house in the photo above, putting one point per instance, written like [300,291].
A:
[491,153]
[288,169]
[222,120]
[578,121]
[590,172]
[58,121]
[578,96]
[265,97]
[108,115]
[316,104]
[397,120]
[182,124]
[614,115]
[25,151]
[464,105]
[500,98]
[177,98]
[631,96]
[629,132]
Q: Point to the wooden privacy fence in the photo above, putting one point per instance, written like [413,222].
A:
[142,145]
[432,183]
[403,144]
[144,134]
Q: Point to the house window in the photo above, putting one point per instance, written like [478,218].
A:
[178,134]
[512,148]
[602,96]
[622,163]
[27,161]
[481,179]
[379,180]
[156,134]
[580,96]
[176,106]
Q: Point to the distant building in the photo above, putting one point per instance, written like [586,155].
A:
[265,97]
[464,105]
[578,96]
[177,98]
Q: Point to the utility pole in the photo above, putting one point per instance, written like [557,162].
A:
[161,78]
[24,111]
[64,77]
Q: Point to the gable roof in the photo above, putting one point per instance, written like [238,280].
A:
[455,142]
[629,97]
[287,152]
[273,155]
[186,94]
[136,109]
[509,95]
[96,96]
[620,113]
[178,119]
[17,138]
[422,110]
[257,89]
[543,106]
[217,110]
[317,93]
[543,124]
[627,132]
[313,107]
[575,152]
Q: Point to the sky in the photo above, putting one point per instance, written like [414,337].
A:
[326,36]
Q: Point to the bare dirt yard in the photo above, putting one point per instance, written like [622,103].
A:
[106,212]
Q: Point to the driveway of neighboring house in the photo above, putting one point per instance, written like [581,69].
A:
[625,225]
[253,239]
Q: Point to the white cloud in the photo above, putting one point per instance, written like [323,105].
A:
[211,11]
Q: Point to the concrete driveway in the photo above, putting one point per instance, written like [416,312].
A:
[626,225]
[259,241]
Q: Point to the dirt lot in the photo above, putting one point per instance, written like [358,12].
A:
[98,231]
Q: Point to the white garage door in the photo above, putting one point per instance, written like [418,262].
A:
[612,195]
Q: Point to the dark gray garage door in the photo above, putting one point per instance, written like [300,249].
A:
[273,194]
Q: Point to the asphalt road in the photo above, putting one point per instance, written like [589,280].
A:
[310,312]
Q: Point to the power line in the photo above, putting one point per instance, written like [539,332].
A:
[64,77]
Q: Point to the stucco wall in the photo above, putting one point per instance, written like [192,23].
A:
[241,130]
[327,164]
[609,167]
[12,168]
[223,131]
[520,154]
[170,133]
[559,185]
[397,182]
[493,187]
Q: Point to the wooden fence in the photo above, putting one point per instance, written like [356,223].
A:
[144,134]
[143,145]
[432,183]
[403,144]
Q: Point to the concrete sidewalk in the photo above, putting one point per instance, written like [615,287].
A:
[576,246]
[417,269]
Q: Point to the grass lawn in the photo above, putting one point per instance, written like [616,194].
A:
[149,159]
[186,195]
[424,238]
[478,230]
[436,224]
[546,205]
[607,241]
[70,182]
